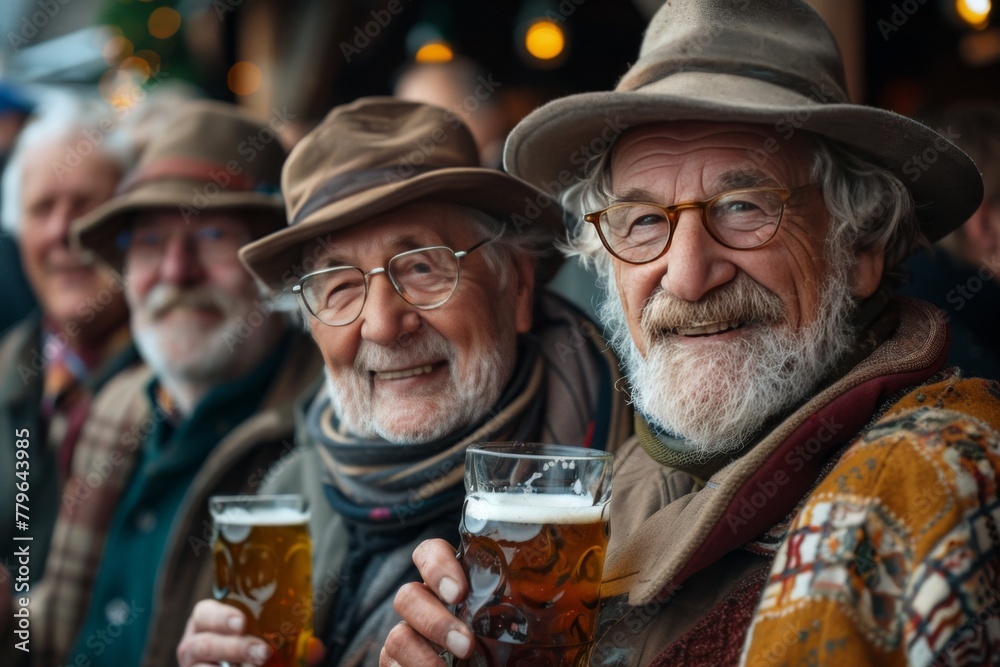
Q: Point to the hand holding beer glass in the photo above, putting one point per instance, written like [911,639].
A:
[263,567]
[534,533]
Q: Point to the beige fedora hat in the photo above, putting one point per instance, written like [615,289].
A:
[377,154]
[772,62]
[207,156]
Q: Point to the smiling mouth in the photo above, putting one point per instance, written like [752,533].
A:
[404,373]
[709,328]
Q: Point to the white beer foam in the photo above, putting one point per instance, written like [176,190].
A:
[277,516]
[533,508]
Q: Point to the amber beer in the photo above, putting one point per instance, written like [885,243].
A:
[263,567]
[534,555]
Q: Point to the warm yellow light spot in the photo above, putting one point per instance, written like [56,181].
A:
[244,78]
[544,40]
[164,22]
[974,12]
[137,65]
[116,49]
[434,52]
[119,88]
[151,57]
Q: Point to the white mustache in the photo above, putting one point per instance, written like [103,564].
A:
[428,346]
[742,300]
[164,298]
[71,261]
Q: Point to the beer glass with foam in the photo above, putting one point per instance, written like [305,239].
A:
[263,567]
[534,532]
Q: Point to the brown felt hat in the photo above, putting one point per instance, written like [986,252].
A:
[772,62]
[374,155]
[208,156]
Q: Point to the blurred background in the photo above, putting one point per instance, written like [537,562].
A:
[299,58]
[308,55]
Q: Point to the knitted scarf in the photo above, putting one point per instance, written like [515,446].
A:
[394,496]
[372,481]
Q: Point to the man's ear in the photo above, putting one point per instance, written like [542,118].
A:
[524,274]
[867,274]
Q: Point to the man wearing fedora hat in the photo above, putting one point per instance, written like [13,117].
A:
[424,295]
[809,482]
[208,414]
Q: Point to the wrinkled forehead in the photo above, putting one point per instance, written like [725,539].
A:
[415,225]
[57,164]
[711,154]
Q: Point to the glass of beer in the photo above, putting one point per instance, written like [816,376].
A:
[534,532]
[263,567]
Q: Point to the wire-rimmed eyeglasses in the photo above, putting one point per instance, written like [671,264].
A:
[742,219]
[426,278]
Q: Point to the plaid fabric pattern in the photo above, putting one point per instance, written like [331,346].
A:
[121,418]
[105,457]
[895,558]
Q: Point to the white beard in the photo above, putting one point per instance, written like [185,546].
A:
[716,395]
[414,418]
[191,353]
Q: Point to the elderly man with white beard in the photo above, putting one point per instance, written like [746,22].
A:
[420,275]
[809,482]
[209,413]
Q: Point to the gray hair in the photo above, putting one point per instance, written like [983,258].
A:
[869,208]
[514,242]
[64,118]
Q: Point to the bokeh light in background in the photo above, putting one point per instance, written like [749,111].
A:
[116,49]
[244,78]
[164,22]
[151,57]
[122,88]
[545,40]
[139,65]
[434,52]
[121,85]
[974,12]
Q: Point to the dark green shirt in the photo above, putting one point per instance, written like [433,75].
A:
[116,626]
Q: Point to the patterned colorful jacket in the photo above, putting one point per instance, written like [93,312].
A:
[861,530]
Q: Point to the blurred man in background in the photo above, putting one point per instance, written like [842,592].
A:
[961,274]
[209,414]
[66,162]
[16,300]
